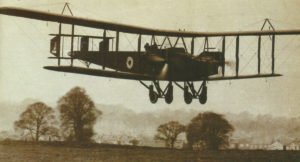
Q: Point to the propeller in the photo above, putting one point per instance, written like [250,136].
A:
[164,71]
[230,64]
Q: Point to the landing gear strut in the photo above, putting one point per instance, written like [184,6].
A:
[189,92]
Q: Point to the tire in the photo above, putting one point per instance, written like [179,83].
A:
[153,96]
[188,98]
[169,95]
[203,95]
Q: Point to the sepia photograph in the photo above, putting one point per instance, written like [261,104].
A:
[149,81]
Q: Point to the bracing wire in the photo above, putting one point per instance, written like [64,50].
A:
[37,48]
[288,56]
[130,42]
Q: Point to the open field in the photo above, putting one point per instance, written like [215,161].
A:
[28,152]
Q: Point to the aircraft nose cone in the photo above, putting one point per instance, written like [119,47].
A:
[74,54]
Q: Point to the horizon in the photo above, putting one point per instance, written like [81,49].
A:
[118,120]
[24,48]
[258,95]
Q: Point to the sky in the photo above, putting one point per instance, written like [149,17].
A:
[24,48]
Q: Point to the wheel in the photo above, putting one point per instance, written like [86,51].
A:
[153,96]
[169,95]
[203,95]
[188,97]
[202,99]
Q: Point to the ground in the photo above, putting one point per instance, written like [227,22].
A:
[23,152]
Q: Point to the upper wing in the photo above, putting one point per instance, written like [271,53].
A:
[45,16]
[96,72]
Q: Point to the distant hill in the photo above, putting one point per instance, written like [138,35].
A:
[255,128]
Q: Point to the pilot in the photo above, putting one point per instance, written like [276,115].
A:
[154,46]
[147,47]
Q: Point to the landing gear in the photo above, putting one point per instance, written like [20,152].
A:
[190,93]
[155,92]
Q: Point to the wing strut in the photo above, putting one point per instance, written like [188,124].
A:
[117,41]
[258,54]
[72,44]
[183,42]
[272,37]
[176,42]
[68,7]
[206,44]
[192,46]
[59,32]
[273,54]
[139,50]
[58,44]
[237,59]
[103,52]
[223,57]
[267,21]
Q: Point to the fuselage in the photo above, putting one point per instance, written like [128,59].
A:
[166,64]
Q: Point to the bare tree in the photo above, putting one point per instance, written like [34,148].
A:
[78,115]
[36,120]
[169,132]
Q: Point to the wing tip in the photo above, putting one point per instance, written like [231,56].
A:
[54,68]
[8,10]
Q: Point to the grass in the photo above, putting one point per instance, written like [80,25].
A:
[65,152]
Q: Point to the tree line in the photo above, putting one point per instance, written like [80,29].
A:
[77,116]
[206,131]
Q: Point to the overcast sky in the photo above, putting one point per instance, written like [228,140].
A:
[24,48]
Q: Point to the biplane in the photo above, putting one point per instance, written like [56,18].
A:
[152,62]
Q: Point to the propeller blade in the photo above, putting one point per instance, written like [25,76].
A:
[230,64]
[164,71]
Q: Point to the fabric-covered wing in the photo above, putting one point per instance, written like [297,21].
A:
[45,16]
[134,76]
[96,72]
[243,77]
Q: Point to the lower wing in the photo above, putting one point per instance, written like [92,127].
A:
[243,77]
[104,73]
[145,77]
